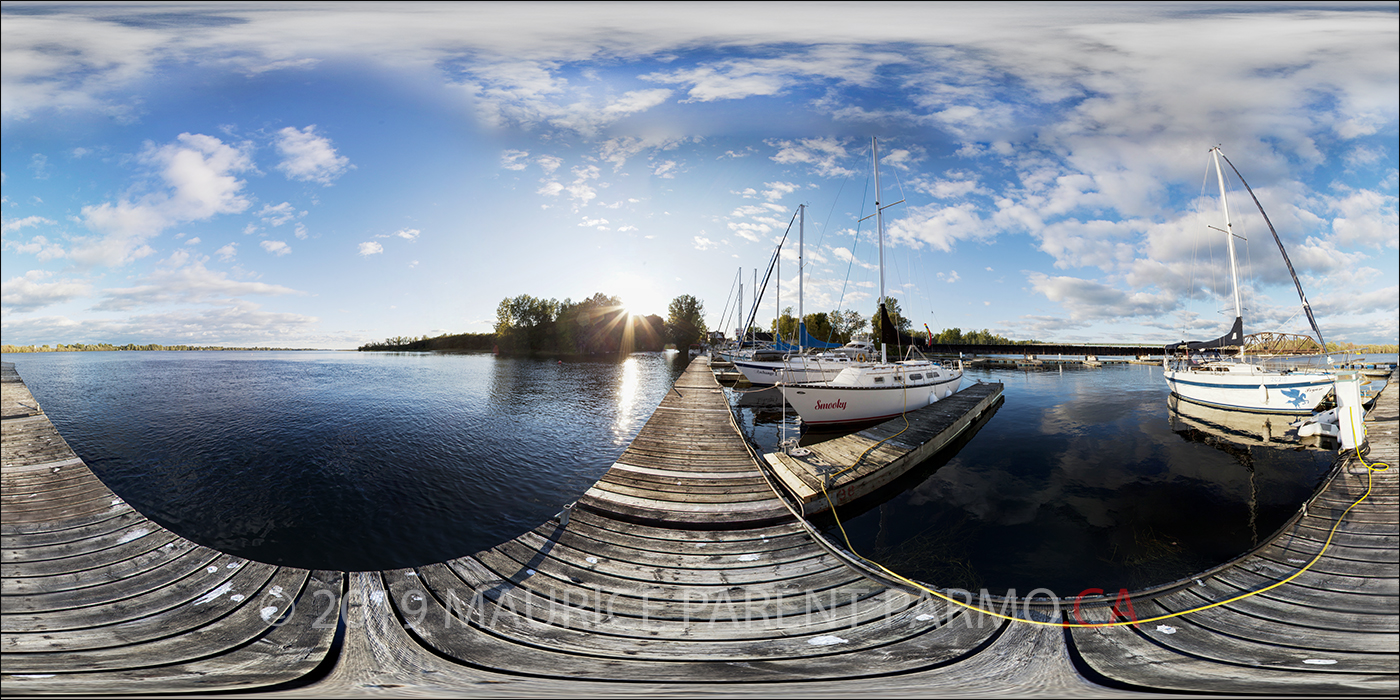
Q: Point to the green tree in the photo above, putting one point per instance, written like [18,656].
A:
[786,325]
[525,323]
[685,321]
[846,324]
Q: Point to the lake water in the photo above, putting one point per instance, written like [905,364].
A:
[346,460]
[361,461]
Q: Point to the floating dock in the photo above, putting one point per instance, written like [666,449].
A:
[681,572]
[838,471]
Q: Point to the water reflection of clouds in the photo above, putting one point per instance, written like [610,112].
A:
[1098,458]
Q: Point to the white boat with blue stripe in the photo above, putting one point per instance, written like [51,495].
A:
[1203,372]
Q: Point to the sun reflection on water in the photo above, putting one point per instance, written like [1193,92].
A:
[627,390]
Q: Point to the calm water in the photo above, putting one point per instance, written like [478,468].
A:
[366,461]
[346,460]
[1083,478]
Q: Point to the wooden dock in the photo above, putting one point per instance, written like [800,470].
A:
[680,572]
[836,472]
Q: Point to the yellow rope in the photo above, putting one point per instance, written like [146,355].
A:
[1371,469]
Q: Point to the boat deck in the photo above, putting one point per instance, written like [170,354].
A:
[680,572]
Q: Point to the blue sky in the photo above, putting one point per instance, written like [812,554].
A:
[325,175]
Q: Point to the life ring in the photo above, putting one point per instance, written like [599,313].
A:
[860,357]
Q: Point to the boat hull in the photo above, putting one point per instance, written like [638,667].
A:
[828,405]
[791,372]
[1293,393]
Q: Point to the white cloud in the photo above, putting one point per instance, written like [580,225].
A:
[579,191]
[309,157]
[369,248]
[529,94]
[192,241]
[1086,300]
[277,248]
[27,221]
[197,174]
[278,215]
[939,226]
[513,159]
[665,169]
[39,246]
[549,163]
[703,243]
[183,279]
[1365,217]
[823,154]
[778,190]
[228,252]
[30,292]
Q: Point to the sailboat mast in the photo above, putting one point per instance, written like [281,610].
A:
[1229,238]
[880,232]
[739,313]
[801,225]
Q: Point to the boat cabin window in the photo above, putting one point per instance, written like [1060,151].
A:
[879,380]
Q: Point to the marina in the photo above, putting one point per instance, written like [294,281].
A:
[681,570]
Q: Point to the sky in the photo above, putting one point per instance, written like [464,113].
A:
[326,175]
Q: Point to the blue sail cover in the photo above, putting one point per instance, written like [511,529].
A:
[807,341]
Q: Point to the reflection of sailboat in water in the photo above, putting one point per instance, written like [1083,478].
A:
[1238,434]
[765,404]
[1237,427]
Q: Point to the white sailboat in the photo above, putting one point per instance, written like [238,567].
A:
[1238,383]
[873,391]
[794,367]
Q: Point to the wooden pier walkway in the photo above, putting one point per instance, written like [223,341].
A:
[680,572]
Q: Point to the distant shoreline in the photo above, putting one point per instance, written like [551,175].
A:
[104,347]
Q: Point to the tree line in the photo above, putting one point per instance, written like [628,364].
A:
[599,324]
[842,326]
[108,347]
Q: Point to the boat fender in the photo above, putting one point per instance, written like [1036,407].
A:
[1264,392]
[1328,429]
[932,397]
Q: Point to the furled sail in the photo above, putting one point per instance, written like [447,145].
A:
[1233,339]
[889,335]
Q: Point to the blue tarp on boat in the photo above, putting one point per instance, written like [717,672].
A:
[807,341]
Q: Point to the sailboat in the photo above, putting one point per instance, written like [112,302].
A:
[791,364]
[874,391]
[1236,382]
